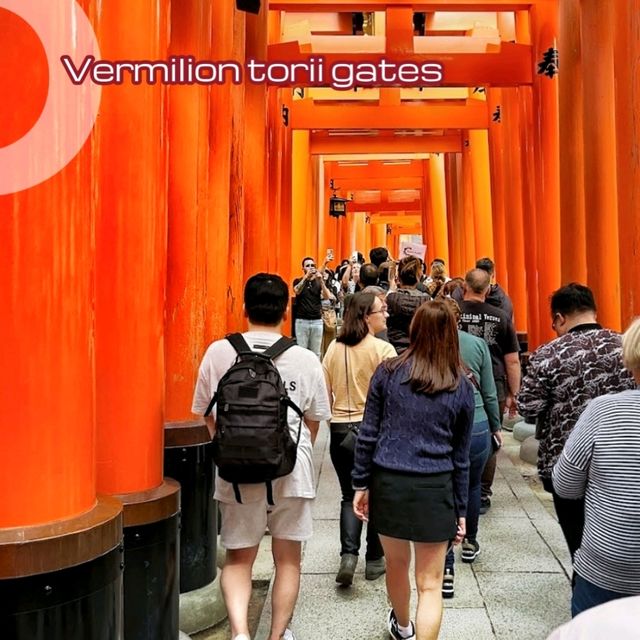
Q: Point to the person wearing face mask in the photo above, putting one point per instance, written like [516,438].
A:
[348,366]
[583,363]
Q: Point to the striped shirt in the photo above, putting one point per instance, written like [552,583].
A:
[601,461]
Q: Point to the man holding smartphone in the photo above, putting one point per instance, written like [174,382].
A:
[309,292]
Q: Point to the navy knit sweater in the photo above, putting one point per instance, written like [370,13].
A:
[415,432]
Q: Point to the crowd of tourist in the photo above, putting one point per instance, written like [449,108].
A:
[414,371]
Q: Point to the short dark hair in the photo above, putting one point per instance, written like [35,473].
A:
[265,298]
[477,280]
[378,255]
[486,264]
[305,259]
[368,274]
[354,324]
[572,298]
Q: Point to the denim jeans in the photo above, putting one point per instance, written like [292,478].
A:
[587,595]
[350,526]
[478,454]
[309,334]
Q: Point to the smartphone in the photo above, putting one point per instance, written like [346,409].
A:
[329,255]
[495,442]
[354,257]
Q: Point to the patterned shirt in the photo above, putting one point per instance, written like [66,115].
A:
[562,376]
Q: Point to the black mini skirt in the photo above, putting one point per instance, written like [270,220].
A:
[412,506]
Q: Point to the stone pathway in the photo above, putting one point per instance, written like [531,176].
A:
[517,589]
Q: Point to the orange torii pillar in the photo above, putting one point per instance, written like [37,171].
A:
[314,188]
[219,169]
[437,191]
[284,212]
[627,52]
[188,454]
[257,219]
[60,549]
[573,231]
[544,27]
[480,171]
[236,274]
[300,181]
[426,214]
[378,234]
[497,154]
[537,314]
[131,181]
[600,180]
[468,206]
[361,234]
[455,223]
[516,224]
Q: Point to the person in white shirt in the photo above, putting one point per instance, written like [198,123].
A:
[289,519]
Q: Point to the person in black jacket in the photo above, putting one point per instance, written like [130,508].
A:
[403,303]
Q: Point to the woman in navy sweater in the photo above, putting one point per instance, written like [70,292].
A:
[411,471]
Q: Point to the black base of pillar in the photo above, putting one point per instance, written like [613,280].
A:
[192,467]
[78,603]
[151,566]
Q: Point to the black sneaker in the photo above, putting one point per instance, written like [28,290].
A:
[447,584]
[485,505]
[470,550]
[394,632]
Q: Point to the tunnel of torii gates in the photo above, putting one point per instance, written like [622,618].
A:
[118,271]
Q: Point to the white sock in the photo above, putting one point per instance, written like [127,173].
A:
[405,632]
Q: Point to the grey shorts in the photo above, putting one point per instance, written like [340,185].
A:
[243,525]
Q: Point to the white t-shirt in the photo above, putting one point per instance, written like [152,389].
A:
[302,376]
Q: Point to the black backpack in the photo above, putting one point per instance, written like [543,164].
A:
[252,441]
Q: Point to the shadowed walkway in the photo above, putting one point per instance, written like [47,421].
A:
[518,588]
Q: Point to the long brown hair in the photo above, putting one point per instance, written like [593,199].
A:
[434,352]
[354,324]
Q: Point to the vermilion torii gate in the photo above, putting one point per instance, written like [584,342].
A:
[118,271]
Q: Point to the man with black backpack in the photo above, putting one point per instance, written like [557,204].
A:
[263,398]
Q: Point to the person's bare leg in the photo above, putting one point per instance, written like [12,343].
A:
[286,556]
[398,555]
[429,569]
[235,582]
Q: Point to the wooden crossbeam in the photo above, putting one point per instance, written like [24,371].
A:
[511,66]
[375,169]
[416,5]
[336,145]
[382,184]
[379,208]
[305,114]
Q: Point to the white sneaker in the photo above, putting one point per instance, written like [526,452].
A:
[241,636]
[288,635]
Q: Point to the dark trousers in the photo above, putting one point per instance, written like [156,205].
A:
[350,526]
[570,517]
[480,449]
[587,595]
[489,471]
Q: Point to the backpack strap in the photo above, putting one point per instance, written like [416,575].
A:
[270,493]
[279,347]
[236,492]
[239,343]
[210,407]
